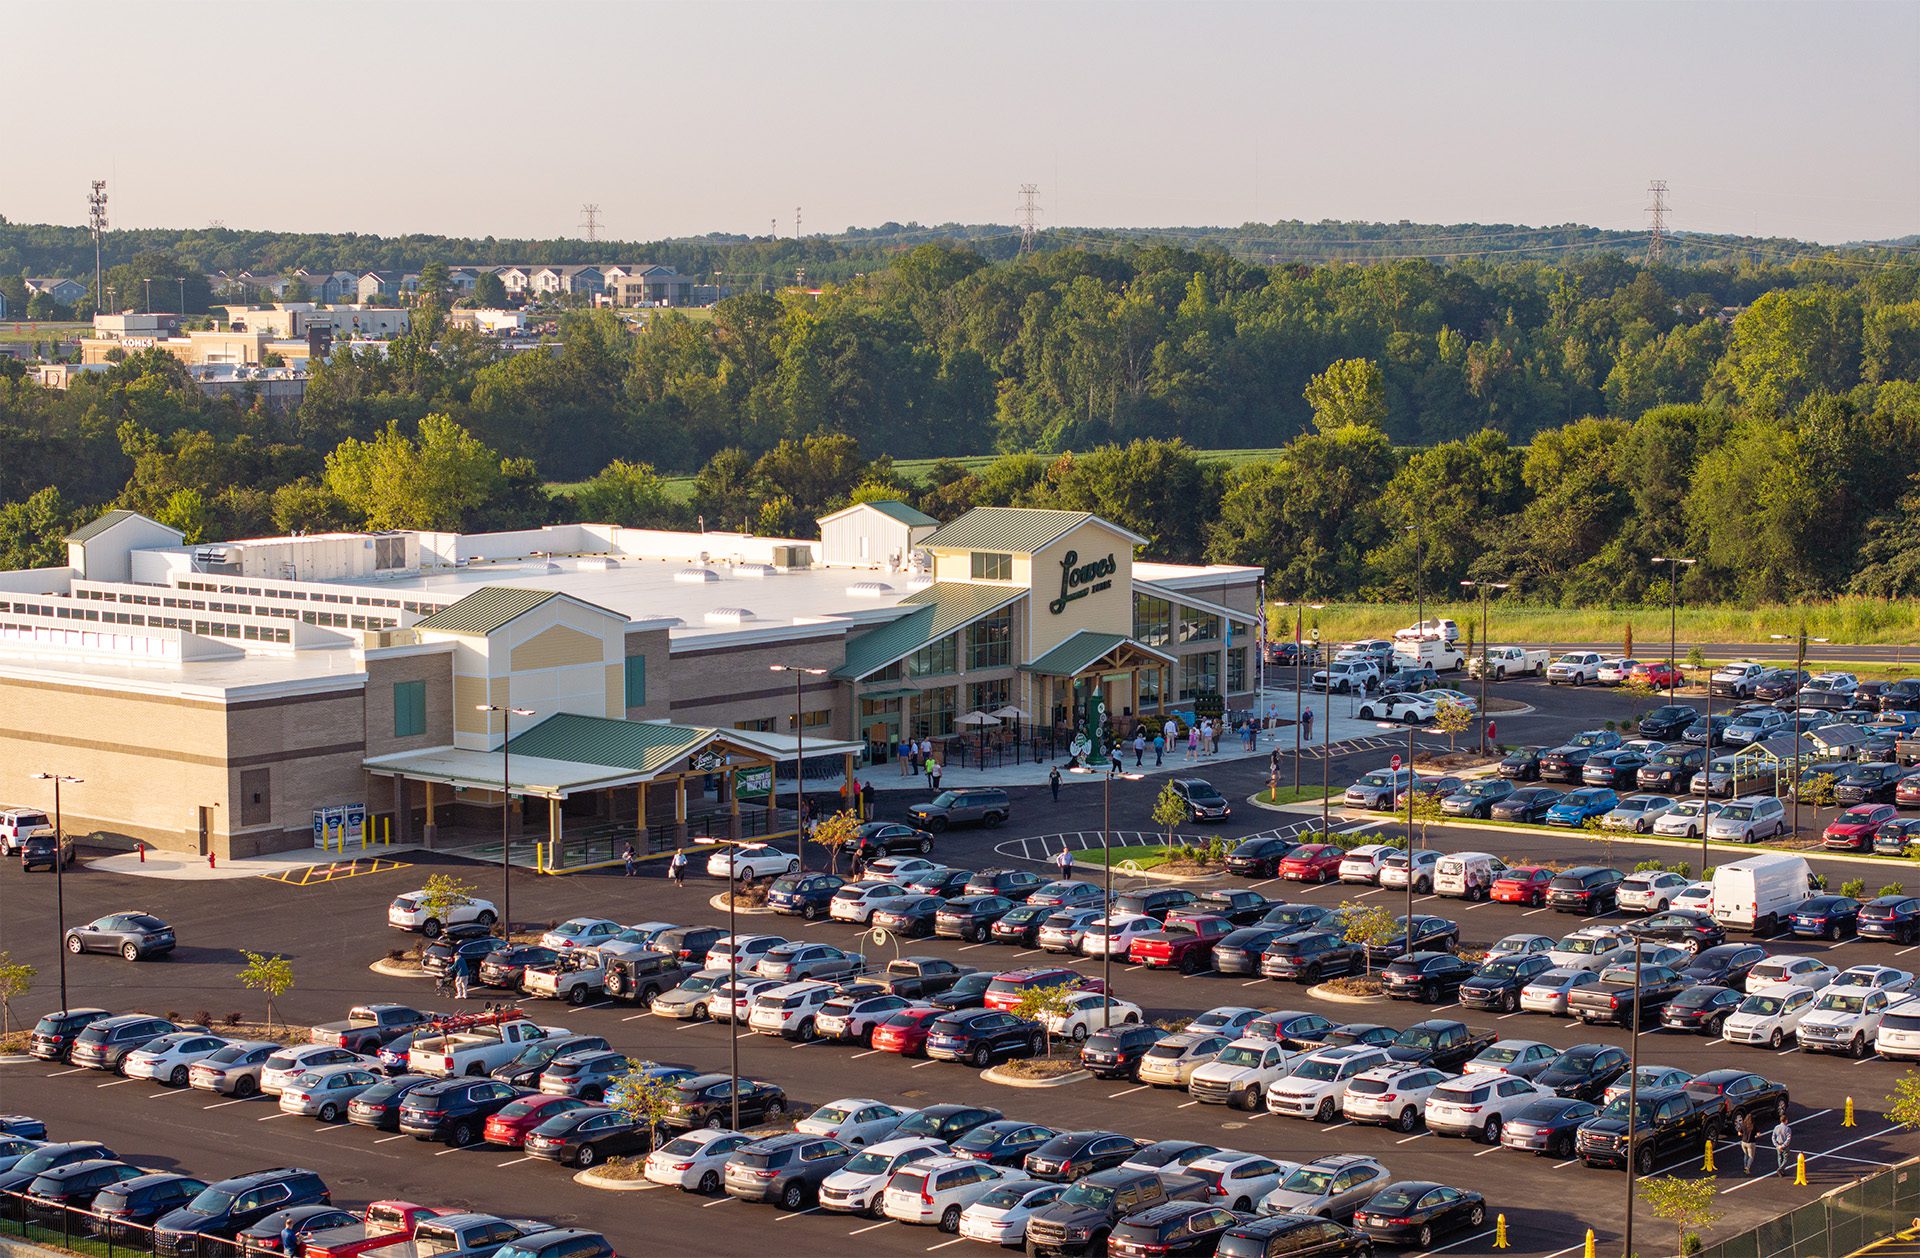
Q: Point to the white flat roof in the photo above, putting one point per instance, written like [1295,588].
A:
[256,676]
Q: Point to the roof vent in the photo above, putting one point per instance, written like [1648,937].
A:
[598,563]
[919,581]
[695,576]
[869,589]
[754,571]
[728,616]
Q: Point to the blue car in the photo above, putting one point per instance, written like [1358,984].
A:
[803,895]
[1826,917]
[1578,806]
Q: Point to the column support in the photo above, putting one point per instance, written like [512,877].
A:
[431,830]
[554,827]
[680,809]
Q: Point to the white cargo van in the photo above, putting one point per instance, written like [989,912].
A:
[1467,875]
[1441,657]
[1761,892]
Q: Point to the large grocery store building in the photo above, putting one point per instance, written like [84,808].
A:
[222,698]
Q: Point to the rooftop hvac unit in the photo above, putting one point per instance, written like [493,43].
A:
[793,556]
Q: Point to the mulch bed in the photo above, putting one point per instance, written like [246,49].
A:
[1354,986]
[1041,1067]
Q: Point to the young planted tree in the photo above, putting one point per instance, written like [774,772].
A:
[1371,926]
[1452,719]
[1639,689]
[1169,810]
[272,975]
[832,831]
[16,979]
[442,894]
[1685,1203]
[1426,811]
[1042,1005]
[646,1098]
[1903,1107]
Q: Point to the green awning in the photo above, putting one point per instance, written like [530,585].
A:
[1086,648]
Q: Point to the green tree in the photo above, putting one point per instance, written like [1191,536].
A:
[272,975]
[645,1097]
[16,980]
[33,531]
[1452,719]
[632,494]
[439,481]
[1371,926]
[1042,1005]
[1350,391]
[436,285]
[1903,1105]
[443,893]
[1169,810]
[1685,1203]
[489,291]
[831,832]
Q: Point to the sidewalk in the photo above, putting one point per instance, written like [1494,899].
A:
[178,865]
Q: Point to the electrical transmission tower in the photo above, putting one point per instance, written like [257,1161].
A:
[590,221]
[796,222]
[1029,212]
[1657,242]
[97,221]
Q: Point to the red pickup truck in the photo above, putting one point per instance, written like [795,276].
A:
[385,1223]
[1186,942]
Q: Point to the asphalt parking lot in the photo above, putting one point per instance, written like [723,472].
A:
[333,930]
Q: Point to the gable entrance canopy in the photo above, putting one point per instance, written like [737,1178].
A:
[1109,662]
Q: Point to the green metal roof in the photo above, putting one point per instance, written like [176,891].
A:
[641,746]
[1072,656]
[902,512]
[486,609]
[1018,530]
[937,611]
[87,532]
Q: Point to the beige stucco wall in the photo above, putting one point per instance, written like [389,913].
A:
[1106,611]
[558,657]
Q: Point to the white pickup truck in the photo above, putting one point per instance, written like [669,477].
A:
[1509,661]
[1575,668]
[474,1051]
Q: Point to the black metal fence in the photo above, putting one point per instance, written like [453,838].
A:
[1839,1223]
[27,1218]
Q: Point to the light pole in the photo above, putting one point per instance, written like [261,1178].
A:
[733,989]
[1799,666]
[1106,861]
[1412,779]
[1633,1081]
[1673,621]
[1299,613]
[59,866]
[800,674]
[506,809]
[1481,588]
[1419,590]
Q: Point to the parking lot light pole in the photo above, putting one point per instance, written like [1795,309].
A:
[506,810]
[733,990]
[1113,771]
[1481,588]
[1673,618]
[1412,778]
[1299,613]
[1799,666]
[59,881]
[800,674]
[1633,1087]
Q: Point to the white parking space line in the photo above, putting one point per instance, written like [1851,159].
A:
[943,1244]
[1808,1117]
[116,1083]
[270,1117]
[718,1201]
[1416,1136]
[1568,1162]
[457,1149]
[1721,1040]
[1126,1092]
[635,1017]
[599,1004]
[1253,982]
[329,1128]
[1783,1052]
[76,1070]
[870,1052]
[1465,1240]
[516,1161]
[1188,1105]
[1862,1062]
[1495,1149]
[971,947]
[861,1231]
[1503,1017]
[1030,952]
[1904,951]
[181,1092]
[1569,1249]
[390,1139]
[922,1065]
[224,1104]
[782,1218]
[688,1026]
[1529,913]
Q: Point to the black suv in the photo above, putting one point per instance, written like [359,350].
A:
[1425,976]
[1203,801]
[1177,1229]
[786,1168]
[886,838]
[1115,1053]
[73,1186]
[1296,1235]
[640,976]
[1015,884]
[1154,902]
[140,1200]
[223,1208]
[454,1111]
[986,805]
[53,1035]
[560,1242]
[1590,889]
[1668,721]
[1259,858]
[524,1068]
[1522,764]
[705,1101]
[476,944]
[39,852]
[45,1158]
[1310,956]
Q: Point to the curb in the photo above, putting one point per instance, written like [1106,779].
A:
[1319,992]
[591,1178]
[720,902]
[992,1075]
[1621,836]
[388,968]
[16,1059]
[1254,801]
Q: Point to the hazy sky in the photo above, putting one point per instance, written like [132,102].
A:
[465,117]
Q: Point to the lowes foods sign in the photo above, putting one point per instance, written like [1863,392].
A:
[1077,580]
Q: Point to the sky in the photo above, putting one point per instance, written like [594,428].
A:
[466,117]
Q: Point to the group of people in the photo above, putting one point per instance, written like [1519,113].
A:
[915,758]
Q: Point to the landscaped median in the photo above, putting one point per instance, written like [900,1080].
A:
[1036,1072]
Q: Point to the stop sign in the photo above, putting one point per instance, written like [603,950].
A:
[1396,762]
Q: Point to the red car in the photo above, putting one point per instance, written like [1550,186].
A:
[1186,942]
[1659,674]
[1312,862]
[509,1128]
[1522,884]
[1852,830]
[906,1032]
[1906,792]
[1006,990]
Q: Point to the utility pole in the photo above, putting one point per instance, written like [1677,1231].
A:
[590,221]
[1029,213]
[97,221]
[1657,225]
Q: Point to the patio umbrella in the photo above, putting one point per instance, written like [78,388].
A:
[1014,714]
[983,720]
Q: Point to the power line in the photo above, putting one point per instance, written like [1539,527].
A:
[1029,212]
[1656,244]
[590,221]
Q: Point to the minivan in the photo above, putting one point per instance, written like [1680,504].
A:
[1467,875]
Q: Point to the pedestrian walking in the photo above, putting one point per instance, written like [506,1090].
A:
[1170,732]
[1193,742]
[1493,733]
[677,868]
[866,799]
[933,773]
[1306,723]
[289,1237]
[1139,749]
[1053,780]
[1746,1142]
[926,749]
[628,858]
[1159,750]
[462,975]
[1782,1145]
[903,752]
[1064,861]
[1273,764]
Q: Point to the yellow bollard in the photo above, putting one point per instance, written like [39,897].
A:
[1589,1253]
[1707,1165]
[386,831]
[1848,1120]
[1800,1172]
[1499,1231]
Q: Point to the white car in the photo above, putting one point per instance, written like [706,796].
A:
[856,1187]
[1171,1062]
[939,1190]
[1063,929]
[1695,895]
[733,1001]
[1479,1106]
[1114,933]
[748,949]
[581,932]
[1226,1020]
[1832,683]
[1637,813]
[1614,670]
[1899,1036]
[1590,948]
[856,901]
[1239,1179]
[1391,1095]
[902,869]
[1749,819]
[1879,977]
[1087,1012]
[1000,1217]
[1650,1077]
[1651,891]
[694,1162]
[1575,668]
[1547,993]
[1777,974]
[1520,945]
[789,1009]
[325,1093]
[1362,864]
[1686,818]
[1768,1018]
[1845,1020]
[1409,706]
[170,1058]
[409,912]
[1393,870]
[854,1121]
[1316,1085]
[290,1063]
[751,860]
[1242,1073]
[851,1019]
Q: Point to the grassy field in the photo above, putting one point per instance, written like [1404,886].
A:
[1851,621]
[22,332]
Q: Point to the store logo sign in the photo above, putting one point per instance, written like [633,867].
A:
[1077,580]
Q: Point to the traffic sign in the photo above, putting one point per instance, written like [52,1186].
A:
[1396,762]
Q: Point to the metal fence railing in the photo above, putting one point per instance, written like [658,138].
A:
[106,1235]
[1839,1223]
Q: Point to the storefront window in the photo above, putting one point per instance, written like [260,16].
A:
[991,567]
[763,725]
[936,658]
[891,672]
[1199,674]
[878,709]
[932,712]
[1152,620]
[1198,626]
[1237,670]
[990,640]
[1149,688]
[986,696]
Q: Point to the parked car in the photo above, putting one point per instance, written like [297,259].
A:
[981,805]
[980,1036]
[873,839]
[1333,1186]
[787,1169]
[1577,807]
[1589,889]
[1170,1062]
[1749,819]
[1415,1212]
[1826,917]
[1853,830]
[999,1217]
[1522,764]
[1259,857]
[1478,1106]
[707,1101]
[1528,804]
[1476,798]
[1002,1142]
